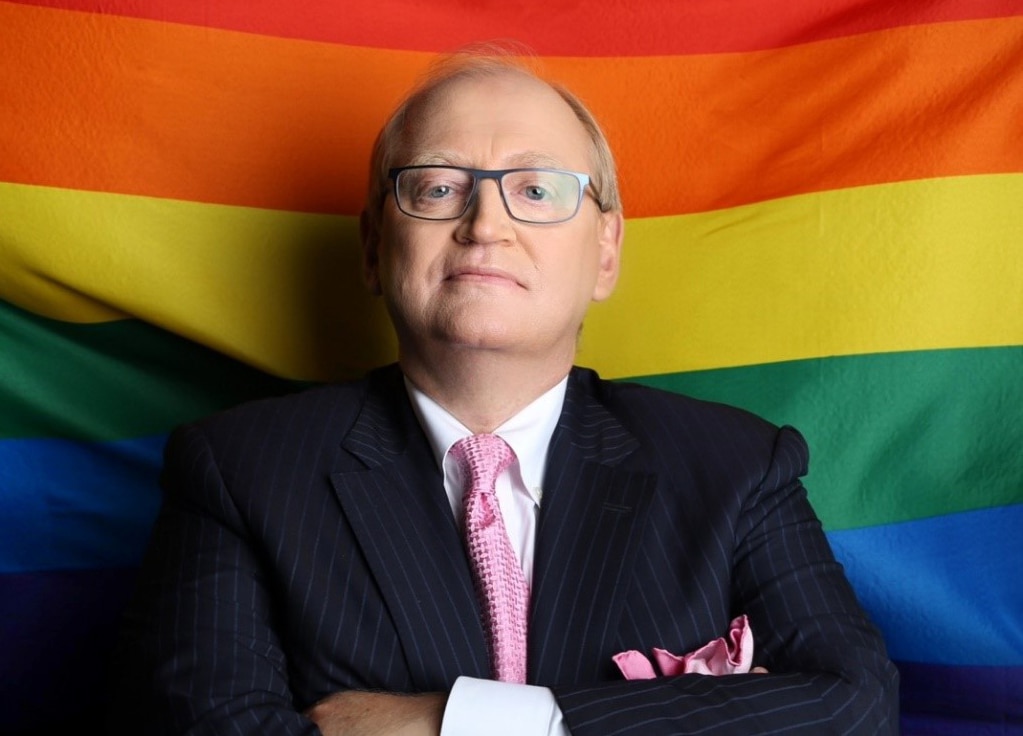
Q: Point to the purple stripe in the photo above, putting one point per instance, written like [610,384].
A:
[942,700]
[57,629]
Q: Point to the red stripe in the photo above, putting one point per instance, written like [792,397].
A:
[598,28]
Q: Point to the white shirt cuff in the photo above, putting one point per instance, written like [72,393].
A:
[501,709]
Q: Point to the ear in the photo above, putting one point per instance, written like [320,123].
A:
[369,236]
[610,235]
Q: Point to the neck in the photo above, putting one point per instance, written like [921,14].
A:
[483,389]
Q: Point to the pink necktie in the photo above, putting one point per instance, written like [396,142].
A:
[500,584]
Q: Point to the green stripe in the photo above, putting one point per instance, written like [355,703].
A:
[111,380]
[895,436]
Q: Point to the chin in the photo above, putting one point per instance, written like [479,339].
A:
[480,332]
[480,339]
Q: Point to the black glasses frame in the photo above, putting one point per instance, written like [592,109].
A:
[479,175]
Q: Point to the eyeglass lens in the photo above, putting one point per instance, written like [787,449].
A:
[531,195]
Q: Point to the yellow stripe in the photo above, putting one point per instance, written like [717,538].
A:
[279,290]
[919,265]
[909,266]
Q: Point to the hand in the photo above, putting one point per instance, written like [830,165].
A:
[362,713]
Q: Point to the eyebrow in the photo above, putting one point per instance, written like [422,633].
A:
[525,160]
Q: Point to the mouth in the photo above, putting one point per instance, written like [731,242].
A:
[482,275]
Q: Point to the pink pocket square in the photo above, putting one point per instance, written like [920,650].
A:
[727,655]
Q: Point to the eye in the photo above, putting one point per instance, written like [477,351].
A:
[536,193]
[535,189]
[436,187]
[437,192]
[433,186]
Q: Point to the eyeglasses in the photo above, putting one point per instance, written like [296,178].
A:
[539,196]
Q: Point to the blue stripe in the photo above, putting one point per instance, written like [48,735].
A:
[944,590]
[71,505]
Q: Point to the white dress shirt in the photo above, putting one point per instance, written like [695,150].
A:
[504,709]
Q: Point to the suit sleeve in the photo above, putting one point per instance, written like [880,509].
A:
[200,655]
[829,673]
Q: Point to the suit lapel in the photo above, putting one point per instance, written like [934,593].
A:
[394,499]
[592,515]
[594,510]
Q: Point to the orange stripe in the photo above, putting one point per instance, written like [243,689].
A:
[139,107]
[125,105]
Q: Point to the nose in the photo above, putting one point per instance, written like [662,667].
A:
[486,220]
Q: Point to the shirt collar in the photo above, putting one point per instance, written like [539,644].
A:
[528,433]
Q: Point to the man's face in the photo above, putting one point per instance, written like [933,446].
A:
[486,281]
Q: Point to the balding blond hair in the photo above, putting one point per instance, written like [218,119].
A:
[475,63]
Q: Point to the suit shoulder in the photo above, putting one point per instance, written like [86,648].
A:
[304,429]
[630,398]
[661,418]
[325,412]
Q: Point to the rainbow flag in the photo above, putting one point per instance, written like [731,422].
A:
[825,226]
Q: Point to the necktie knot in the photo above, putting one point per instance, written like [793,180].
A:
[482,458]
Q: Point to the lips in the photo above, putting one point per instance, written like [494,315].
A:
[482,274]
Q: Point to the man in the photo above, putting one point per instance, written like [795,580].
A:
[310,564]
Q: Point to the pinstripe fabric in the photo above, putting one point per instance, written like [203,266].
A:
[721,527]
[306,546]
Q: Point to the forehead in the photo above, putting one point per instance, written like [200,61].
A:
[498,119]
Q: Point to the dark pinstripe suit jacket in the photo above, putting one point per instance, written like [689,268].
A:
[306,546]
